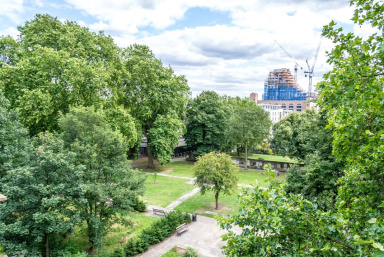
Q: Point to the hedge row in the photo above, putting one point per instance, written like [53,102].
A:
[157,232]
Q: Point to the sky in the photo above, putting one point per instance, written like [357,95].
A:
[228,46]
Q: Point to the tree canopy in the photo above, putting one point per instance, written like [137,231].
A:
[15,147]
[154,92]
[55,65]
[248,125]
[111,185]
[207,120]
[292,134]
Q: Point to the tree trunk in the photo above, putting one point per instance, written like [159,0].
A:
[149,150]
[46,245]
[246,156]
[150,157]
[217,200]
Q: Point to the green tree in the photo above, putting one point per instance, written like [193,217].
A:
[120,120]
[15,147]
[304,136]
[55,65]
[164,136]
[352,95]
[274,223]
[248,125]
[153,92]
[291,134]
[111,185]
[39,210]
[207,120]
[216,172]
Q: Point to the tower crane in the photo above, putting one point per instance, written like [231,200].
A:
[296,64]
[310,73]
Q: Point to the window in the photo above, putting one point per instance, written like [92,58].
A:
[291,107]
[298,107]
[284,106]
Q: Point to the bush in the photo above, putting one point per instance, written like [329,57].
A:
[156,232]
[119,252]
[191,252]
[139,205]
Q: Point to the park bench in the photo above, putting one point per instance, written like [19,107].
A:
[180,229]
[158,212]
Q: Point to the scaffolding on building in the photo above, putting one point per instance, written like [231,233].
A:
[281,85]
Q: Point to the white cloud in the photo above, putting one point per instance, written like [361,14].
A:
[231,58]
[10,31]
[12,10]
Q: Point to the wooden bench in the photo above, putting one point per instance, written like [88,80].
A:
[182,228]
[158,212]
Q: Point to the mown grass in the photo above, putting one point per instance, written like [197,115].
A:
[198,204]
[267,157]
[249,177]
[176,168]
[78,241]
[165,190]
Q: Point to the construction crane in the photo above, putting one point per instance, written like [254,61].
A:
[310,73]
[296,64]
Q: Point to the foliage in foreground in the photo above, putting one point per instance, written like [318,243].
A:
[216,172]
[159,230]
[275,223]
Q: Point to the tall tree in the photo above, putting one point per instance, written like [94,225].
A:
[40,201]
[207,121]
[111,185]
[216,172]
[248,125]
[152,92]
[55,65]
[353,95]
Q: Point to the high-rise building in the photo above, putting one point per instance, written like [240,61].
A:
[283,93]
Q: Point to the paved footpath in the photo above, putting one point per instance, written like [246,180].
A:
[204,236]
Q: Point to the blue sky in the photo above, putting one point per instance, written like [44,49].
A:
[223,45]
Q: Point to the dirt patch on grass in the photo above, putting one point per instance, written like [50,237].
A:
[222,209]
[180,250]
[166,170]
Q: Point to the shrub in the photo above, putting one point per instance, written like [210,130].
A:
[119,252]
[191,252]
[156,232]
[139,205]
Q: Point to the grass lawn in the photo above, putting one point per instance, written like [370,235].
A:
[228,204]
[267,157]
[79,240]
[200,203]
[177,168]
[248,177]
[165,190]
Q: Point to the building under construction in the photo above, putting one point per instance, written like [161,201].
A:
[282,85]
[282,95]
